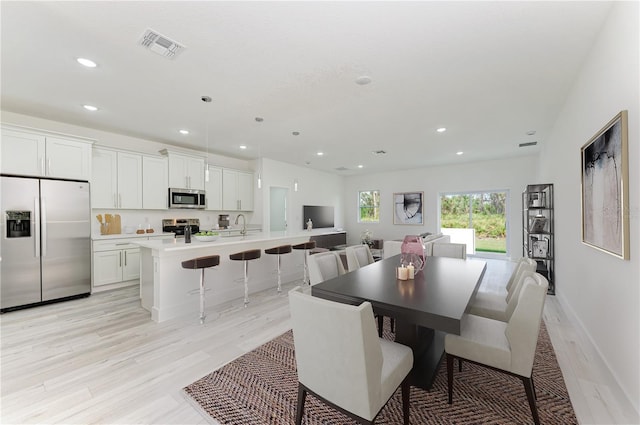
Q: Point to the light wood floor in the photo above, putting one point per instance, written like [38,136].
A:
[102,360]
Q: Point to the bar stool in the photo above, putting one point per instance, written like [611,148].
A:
[201,263]
[245,257]
[306,246]
[279,250]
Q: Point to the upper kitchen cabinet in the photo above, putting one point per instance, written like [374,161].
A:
[155,183]
[117,179]
[213,188]
[41,154]
[237,190]
[185,171]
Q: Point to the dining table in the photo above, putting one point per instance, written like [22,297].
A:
[425,308]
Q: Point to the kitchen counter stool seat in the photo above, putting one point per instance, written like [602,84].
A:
[306,247]
[245,257]
[201,263]
[279,250]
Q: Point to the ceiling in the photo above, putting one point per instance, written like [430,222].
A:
[487,71]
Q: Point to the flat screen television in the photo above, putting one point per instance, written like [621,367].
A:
[321,217]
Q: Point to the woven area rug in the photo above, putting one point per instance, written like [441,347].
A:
[261,388]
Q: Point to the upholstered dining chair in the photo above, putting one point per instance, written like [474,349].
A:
[358,256]
[341,361]
[497,306]
[508,347]
[324,266]
[453,250]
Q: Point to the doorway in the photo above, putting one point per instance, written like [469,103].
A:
[278,209]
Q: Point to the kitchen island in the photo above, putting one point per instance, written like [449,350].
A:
[168,291]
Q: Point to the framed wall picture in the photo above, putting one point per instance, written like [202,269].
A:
[605,189]
[407,208]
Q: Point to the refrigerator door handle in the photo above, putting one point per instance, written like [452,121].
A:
[43,207]
[36,226]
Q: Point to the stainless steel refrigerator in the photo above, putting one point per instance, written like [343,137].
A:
[45,249]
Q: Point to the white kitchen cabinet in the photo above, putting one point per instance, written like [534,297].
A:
[117,179]
[237,190]
[155,183]
[44,155]
[114,261]
[213,189]
[185,171]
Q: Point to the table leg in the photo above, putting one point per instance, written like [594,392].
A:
[428,350]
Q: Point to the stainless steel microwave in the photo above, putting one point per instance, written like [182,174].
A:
[187,198]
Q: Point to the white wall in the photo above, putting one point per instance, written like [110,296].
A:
[511,175]
[600,290]
[314,188]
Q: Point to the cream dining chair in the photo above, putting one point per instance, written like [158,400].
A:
[341,360]
[324,266]
[360,256]
[507,347]
[497,306]
[453,250]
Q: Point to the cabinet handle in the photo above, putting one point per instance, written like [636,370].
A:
[239,202]
[115,201]
[119,200]
[49,167]
[125,258]
[120,258]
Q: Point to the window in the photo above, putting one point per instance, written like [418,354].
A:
[369,206]
[484,213]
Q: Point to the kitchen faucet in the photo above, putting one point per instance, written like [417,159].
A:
[243,232]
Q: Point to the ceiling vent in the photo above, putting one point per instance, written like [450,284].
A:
[160,44]
[341,169]
[379,152]
[524,145]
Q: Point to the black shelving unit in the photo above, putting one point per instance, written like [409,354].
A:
[538,230]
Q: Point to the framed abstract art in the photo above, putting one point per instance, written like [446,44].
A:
[605,189]
[407,208]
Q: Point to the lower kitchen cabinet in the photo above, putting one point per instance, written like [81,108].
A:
[116,263]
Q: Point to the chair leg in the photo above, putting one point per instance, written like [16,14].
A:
[202,315]
[246,282]
[305,279]
[279,276]
[380,325]
[406,393]
[302,395]
[450,376]
[393,324]
[528,388]
[459,364]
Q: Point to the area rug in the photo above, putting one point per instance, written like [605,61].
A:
[261,388]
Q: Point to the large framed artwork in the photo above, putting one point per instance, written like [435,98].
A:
[605,189]
[407,208]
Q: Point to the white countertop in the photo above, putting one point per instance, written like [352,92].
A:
[128,236]
[180,245]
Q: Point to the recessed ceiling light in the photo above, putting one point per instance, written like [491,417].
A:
[90,108]
[296,133]
[441,129]
[243,146]
[185,132]
[320,153]
[531,132]
[360,166]
[363,80]
[87,62]
[259,119]
[459,153]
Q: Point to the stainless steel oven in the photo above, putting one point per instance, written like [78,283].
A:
[187,198]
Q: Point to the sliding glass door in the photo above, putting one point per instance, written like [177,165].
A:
[477,219]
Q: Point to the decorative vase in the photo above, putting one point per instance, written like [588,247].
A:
[412,251]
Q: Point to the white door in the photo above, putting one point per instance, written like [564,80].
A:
[278,209]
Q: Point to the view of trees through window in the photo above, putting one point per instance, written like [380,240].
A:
[369,206]
[483,211]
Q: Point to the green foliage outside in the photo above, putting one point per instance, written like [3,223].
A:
[369,202]
[488,218]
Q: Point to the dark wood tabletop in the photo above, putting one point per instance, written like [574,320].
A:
[425,308]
